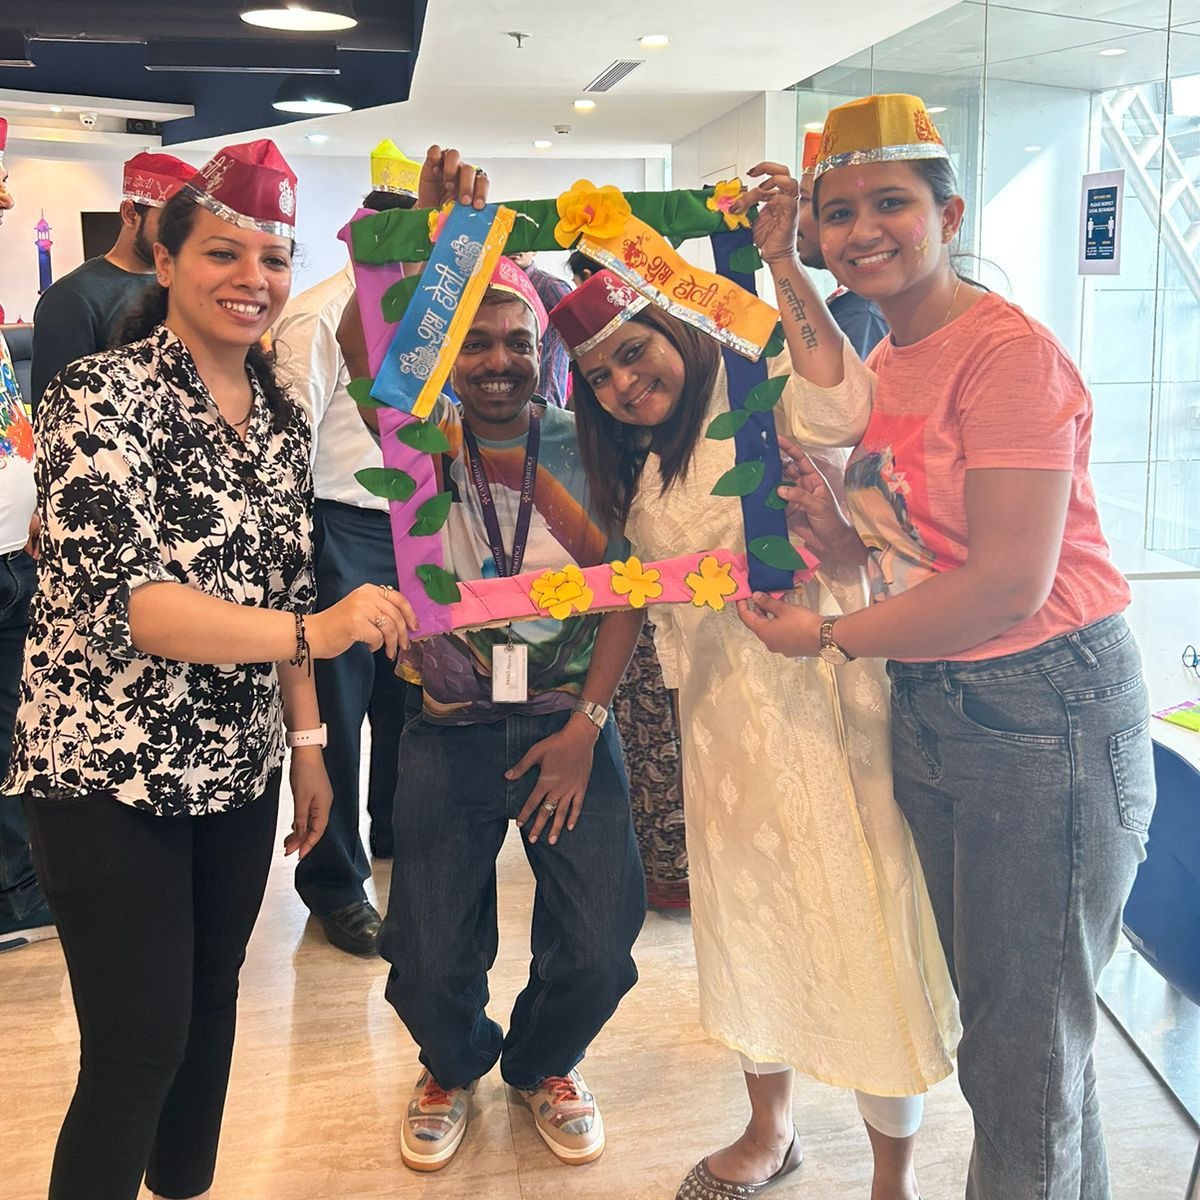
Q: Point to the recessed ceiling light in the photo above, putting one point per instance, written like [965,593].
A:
[654,41]
[56,108]
[1032,149]
[311,96]
[936,108]
[584,105]
[317,139]
[1113,52]
[542,144]
[814,126]
[308,16]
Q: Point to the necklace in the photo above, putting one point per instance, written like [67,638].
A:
[953,301]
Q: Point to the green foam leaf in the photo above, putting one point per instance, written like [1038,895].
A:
[776,501]
[424,436]
[431,516]
[440,585]
[745,260]
[778,552]
[360,393]
[387,482]
[776,343]
[740,480]
[763,397]
[396,298]
[726,425]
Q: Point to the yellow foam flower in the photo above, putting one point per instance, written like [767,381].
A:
[711,584]
[630,578]
[600,212]
[437,218]
[560,593]
[724,194]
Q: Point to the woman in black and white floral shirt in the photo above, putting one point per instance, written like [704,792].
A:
[168,647]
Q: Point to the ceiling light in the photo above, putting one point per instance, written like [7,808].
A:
[542,144]
[814,126]
[317,139]
[935,108]
[311,95]
[584,105]
[1113,52]
[56,108]
[308,16]
[1032,149]
[654,41]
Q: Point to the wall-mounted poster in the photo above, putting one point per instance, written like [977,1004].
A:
[1103,194]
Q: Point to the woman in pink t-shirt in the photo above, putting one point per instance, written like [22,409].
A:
[1020,740]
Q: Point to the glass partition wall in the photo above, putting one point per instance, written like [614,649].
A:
[1029,97]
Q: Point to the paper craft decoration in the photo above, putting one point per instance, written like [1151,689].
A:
[413,327]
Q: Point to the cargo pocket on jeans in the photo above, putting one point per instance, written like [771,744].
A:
[1133,772]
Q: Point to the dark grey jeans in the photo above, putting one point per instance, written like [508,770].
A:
[1028,781]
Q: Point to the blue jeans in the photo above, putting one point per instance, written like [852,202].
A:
[440,935]
[22,905]
[1028,782]
[353,546]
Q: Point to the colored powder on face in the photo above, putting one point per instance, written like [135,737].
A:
[861,183]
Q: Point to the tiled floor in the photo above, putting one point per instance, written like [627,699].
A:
[323,1067]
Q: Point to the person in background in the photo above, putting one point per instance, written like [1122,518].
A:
[25,916]
[81,312]
[169,647]
[1020,718]
[554,383]
[857,317]
[352,545]
[581,267]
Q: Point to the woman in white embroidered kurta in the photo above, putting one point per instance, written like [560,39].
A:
[815,941]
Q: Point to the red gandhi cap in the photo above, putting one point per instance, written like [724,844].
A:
[594,311]
[812,150]
[508,277]
[249,185]
[3,135]
[154,178]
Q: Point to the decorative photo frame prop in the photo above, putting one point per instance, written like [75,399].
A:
[414,325]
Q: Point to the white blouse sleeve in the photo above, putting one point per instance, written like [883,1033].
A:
[818,416]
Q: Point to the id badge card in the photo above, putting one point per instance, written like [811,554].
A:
[510,673]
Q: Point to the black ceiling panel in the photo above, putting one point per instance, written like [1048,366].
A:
[99,49]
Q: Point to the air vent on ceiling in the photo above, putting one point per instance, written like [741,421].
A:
[613,74]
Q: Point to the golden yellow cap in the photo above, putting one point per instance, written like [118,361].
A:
[890,128]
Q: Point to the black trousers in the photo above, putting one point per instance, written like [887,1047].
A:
[154,914]
[353,546]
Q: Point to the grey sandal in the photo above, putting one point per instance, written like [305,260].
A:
[702,1184]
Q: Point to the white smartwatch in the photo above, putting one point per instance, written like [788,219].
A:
[308,737]
[596,713]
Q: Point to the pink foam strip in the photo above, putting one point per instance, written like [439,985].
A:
[372,282]
[490,601]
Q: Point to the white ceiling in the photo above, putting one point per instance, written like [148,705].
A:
[473,88]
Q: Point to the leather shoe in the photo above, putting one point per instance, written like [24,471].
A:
[354,928]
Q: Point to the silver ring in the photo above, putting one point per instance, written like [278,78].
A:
[378,623]
[550,808]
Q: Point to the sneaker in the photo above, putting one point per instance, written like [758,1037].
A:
[434,1125]
[26,937]
[567,1118]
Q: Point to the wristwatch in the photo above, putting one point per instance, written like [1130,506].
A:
[829,650]
[596,713]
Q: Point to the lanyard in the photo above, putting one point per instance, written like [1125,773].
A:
[524,512]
